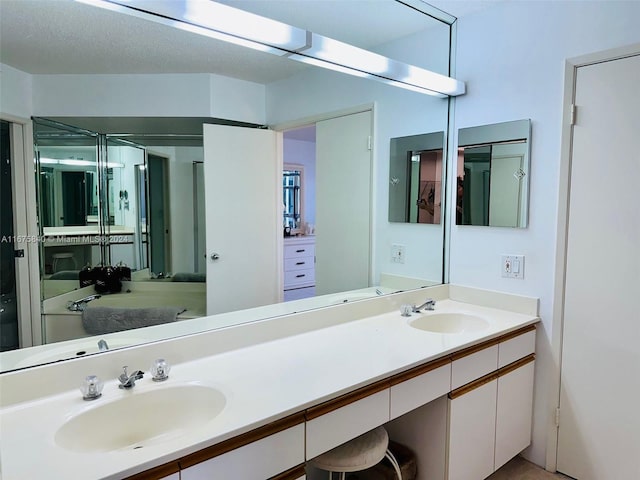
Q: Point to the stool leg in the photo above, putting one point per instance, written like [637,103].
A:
[394,463]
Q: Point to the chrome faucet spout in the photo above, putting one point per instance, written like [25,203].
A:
[428,305]
[80,305]
[129,381]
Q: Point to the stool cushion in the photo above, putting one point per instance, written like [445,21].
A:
[358,454]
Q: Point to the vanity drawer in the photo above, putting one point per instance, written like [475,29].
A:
[414,389]
[296,251]
[299,277]
[298,263]
[517,347]
[328,430]
[470,365]
[263,458]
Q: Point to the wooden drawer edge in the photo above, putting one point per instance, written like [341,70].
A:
[242,440]
[419,370]
[517,364]
[346,399]
[517,333]
[292,474]
[491,376]
[458,392]
[490,343]
[155,473]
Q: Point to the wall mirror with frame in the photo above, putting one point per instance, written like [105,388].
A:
[493,165]
[293,93]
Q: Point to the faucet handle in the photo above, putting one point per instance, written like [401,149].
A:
[91,387]
[160,370]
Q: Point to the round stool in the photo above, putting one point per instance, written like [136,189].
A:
[358,454]
[63,257]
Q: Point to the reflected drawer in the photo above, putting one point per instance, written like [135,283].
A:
[296,251]
[299,277]
[298,263]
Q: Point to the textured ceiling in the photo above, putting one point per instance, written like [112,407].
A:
[63,36]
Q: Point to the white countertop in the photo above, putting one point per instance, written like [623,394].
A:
[262,383]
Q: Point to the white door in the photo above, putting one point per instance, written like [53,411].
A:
[599,433]
[242,168]
[343,203]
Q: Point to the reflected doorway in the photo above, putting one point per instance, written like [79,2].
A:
[9,338]
[160,248]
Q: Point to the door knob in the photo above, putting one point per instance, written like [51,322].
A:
[215,256]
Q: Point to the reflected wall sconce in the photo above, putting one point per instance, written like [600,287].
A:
[246,29]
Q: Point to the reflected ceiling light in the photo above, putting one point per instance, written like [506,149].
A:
[222,22]
[76,163]
[341,53]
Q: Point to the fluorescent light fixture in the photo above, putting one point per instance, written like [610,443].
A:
[71,162]
[334,51]
[222,22]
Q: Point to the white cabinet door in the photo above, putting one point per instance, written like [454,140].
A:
[472,429]
[263,458]
[243,167]
[473,366]
[513,413]
[343,424]
[420,390]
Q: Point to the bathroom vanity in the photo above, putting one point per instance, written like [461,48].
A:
[259,400]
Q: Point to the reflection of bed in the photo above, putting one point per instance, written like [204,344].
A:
[189,277]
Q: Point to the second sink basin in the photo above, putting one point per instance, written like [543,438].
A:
[141,419]
[450,323]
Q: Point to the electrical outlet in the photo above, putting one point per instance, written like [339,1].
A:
[397,253]
[512,266]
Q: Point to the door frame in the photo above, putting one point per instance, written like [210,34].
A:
[312,120]
[25,224]
[571,68]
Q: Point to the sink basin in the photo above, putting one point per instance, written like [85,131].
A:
[450,323]
[141,419]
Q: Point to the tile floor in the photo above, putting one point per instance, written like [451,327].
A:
[521,469]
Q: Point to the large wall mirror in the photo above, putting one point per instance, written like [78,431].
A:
[294,96]
[493,174]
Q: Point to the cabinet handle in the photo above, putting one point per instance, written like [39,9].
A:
[300,276]
[300,263]
[300,251]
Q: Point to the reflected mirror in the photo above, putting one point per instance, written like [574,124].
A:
[291,94]
[493,174]
[415,178]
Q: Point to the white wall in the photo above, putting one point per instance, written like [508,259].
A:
[15,92]
[397,113]
[512,56]
[179,95]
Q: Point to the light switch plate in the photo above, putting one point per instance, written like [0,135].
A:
[512,266]
[397,253]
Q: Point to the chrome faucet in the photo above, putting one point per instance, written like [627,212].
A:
[103,346]
[428,305]
[129,381]
[80,305]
